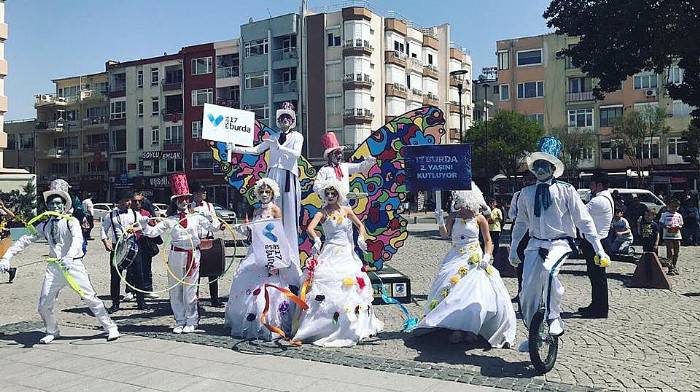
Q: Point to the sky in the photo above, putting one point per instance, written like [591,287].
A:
[50,39]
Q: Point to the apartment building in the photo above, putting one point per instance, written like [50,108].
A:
[70,137]
[486,92]
[20,152]
[534,80]
[364,69]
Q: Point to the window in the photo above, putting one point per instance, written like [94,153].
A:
[645,80]
[586,154]
[530,90]
[174,165]
[496,90]
[505,92]
[140,138]
[680,109]
[155,106]
[202,65]
[141,166]
[529,57]
[262,111]
[334,105]
[200,97]
[202,160]
[196,129]
[675,74]
[173,134]
[139,108]
[430,59]
[611,150]
[139,78]
[154,77]
[156,166]
[539,117]
[256,80]
[677,146]
[334,72]
[118,140]
[578,85]
[581,118]
[650,149]
[503,59]
[398,46]
[256,47]
[117,110]
[334,38]
[155,136]
[608,115]
[10,142]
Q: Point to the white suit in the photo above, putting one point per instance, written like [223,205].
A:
[65,238]
[183,260]
[283,169]
[551,236]
[346,170]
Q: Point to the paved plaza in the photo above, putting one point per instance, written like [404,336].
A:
[648,343]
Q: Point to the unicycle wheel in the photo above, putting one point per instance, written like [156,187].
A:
[543,346]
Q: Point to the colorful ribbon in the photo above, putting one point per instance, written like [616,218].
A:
[263,317]
[69,278]
[409,323]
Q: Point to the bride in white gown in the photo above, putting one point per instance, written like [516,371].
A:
[340,310]
[468,294]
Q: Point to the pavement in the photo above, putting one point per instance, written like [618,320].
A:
[647,344]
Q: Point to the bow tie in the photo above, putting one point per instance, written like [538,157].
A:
[282,138]
[123,211]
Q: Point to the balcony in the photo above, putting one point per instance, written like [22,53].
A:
[52,126]
[289,53]
[94,121]
[357,81]
[117,90]
[395,90]
[172,144]
[580,97]
[226,72]
[416,93]
[49,99]
[117,148]
[171,115]
[357,116]
[357,47]
[284,87]
[95,147]
[454,107]
[395,57]
[431,99]
[229,103]
[61,152]
[415,64]
[171,85]
[430,42]
[430,71]
[97,95]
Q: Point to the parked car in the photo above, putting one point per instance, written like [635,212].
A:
[102,209]
[646,197]
[226,215]
[160,209]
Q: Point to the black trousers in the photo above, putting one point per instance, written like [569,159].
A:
[134,271]
[599,281]
[213,288]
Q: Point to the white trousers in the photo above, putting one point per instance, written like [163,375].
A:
[183,297]
[541,285]
[289,202]
[54,281]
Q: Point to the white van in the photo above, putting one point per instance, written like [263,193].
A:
[646,197]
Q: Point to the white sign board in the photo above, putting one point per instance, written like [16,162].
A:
[228,125]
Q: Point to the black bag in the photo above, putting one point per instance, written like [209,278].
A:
[212,262]
[151,246]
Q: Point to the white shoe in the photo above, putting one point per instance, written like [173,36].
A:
[188,329]
[152,296]
[47,339]
[556,327]
[128,297]
[112,334]
[178,329]
[524,347]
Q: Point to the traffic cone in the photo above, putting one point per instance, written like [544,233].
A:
[501,263]
[649,274]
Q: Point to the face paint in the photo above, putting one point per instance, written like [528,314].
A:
[55,204]
[542,169]
[285,122]
[336,157]
[331,196]
[182,203]
[265,194]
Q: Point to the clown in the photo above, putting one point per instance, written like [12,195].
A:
[340,310]
[468,295]
[65,238]
[249,295]
[551,211]
[285,150]
[335,167]
[184,227]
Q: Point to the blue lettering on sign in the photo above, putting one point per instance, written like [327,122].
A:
[438,167]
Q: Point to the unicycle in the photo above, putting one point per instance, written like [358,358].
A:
[543,346]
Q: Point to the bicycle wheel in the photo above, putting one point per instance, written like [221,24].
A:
[543,346]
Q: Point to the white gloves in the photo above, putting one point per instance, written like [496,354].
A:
[440,216]
[361,243]
[317,246]
[4,265]
[485,261]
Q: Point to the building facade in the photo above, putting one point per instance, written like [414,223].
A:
[534,80]
[364,69]
[20,152]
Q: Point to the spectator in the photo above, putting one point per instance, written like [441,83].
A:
[633,212]
[495,220]
[89,216]
[691,220]
[622,233]
[648,231]
[672,223]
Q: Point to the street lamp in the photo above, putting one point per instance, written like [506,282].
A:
[486,121]
[459,75]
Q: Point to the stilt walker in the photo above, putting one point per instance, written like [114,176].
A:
[65,264]
[285,150]
[551,211]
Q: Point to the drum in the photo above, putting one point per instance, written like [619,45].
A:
[126,252]
[212,262]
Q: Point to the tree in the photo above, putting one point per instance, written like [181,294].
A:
[634,130]
[621,38]
[692,137]
[509,137]
[574,142]
[23,204]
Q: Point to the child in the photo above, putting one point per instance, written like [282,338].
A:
[672,222]
[622,233]
[648,231]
